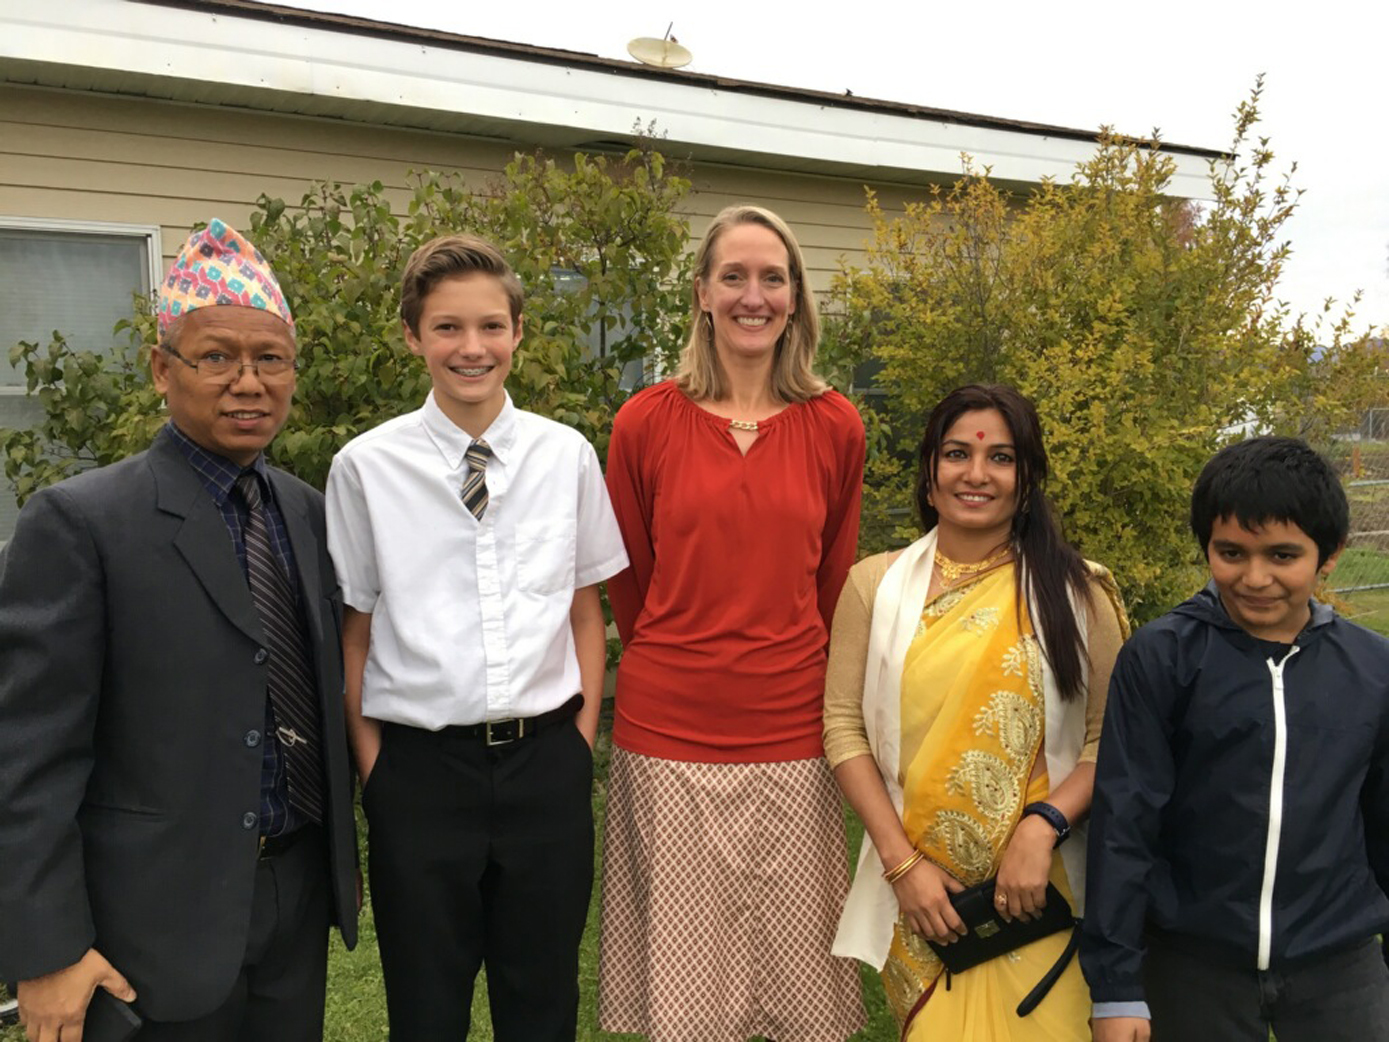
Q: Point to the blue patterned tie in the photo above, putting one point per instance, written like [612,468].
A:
[290,683]
[474,490]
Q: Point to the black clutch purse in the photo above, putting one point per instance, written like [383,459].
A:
[990,936]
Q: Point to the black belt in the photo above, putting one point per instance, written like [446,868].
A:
[274,846]
[504,732]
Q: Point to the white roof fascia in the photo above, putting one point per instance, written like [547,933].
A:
[217,48]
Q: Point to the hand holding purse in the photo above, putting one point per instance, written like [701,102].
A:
[990,936]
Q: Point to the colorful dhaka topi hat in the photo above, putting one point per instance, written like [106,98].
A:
[219,266]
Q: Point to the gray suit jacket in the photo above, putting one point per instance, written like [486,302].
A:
[129,681]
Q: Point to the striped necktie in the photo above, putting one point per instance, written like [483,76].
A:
[290,679]
[474,490]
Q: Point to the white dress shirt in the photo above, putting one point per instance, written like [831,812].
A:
[469,618]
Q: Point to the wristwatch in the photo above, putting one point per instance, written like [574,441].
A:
[1054,818]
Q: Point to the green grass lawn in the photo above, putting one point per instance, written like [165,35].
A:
[1365,560]
[1360,566]
[1369,608]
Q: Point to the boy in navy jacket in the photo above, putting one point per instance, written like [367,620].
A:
[1239,841]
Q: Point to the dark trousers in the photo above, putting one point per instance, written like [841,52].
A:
[278,996]
[1342,998]
[481,855]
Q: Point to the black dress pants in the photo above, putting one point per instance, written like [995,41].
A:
[1341,998]
[278,996]
[480,855]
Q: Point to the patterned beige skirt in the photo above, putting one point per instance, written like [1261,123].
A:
[722,887]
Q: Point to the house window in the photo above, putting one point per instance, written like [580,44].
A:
[634,372]
[75,277]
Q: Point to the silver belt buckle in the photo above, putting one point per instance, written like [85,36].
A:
[495,731]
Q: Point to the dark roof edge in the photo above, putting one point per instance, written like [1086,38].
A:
[555,56]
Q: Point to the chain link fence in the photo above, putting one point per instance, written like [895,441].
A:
[1374,427]
[1361,580]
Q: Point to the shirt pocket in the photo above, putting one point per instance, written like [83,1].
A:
[544,557]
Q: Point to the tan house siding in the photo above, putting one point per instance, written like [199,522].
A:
[826,213]
[77,155]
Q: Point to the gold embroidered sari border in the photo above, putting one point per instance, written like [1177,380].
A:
[973,719]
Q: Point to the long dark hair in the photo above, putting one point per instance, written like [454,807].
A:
[1051,566]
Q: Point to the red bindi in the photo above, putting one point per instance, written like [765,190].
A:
[979,435]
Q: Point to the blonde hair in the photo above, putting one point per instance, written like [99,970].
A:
[700,375]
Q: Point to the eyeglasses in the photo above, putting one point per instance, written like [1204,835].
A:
[219,367]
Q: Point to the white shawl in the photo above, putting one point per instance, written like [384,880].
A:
[865,927]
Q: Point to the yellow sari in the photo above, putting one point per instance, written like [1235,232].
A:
[972,722]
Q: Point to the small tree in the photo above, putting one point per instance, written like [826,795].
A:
[598,244]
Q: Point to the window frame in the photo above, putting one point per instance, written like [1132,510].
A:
[151,233]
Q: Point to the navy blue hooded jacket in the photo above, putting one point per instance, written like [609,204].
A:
[1241,795]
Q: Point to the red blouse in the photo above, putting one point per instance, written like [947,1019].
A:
[737,562]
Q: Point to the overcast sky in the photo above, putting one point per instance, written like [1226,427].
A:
[1181,66]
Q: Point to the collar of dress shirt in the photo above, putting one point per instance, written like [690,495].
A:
[218,473]
[453,441]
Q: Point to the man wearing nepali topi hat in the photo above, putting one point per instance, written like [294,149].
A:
[177,824]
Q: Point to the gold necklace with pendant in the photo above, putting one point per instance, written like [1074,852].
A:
[954,572]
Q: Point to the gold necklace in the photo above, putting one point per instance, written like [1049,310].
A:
[952,572]
[742,425]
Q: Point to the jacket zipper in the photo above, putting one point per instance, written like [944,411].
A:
[1275,810]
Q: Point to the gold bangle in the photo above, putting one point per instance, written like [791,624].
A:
[906,866]
[894,874]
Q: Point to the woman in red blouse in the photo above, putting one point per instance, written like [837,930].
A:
[737,486]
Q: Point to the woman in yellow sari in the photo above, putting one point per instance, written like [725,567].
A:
[962,714]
